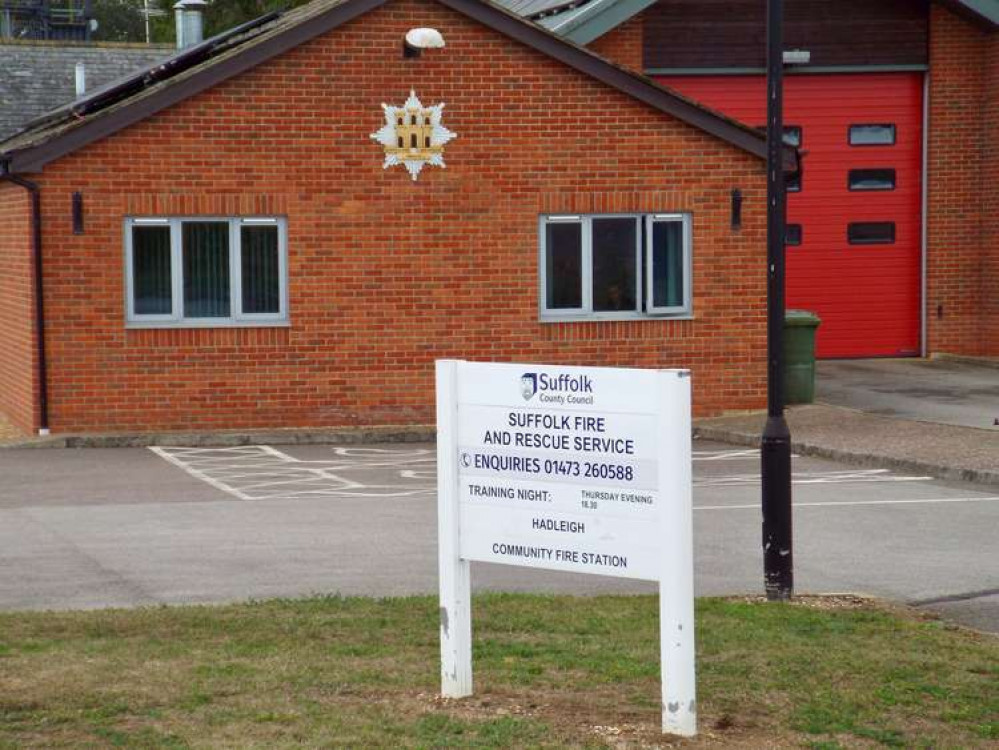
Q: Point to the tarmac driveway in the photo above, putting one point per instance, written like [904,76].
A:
[929,390]
[120,527]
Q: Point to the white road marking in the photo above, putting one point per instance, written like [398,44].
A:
[730,455]
[261,472]
[174,456]
[725,455]
[812,477]
[905,501]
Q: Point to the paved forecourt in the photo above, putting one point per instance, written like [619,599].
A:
[121,527]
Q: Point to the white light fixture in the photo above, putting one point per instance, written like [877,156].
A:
[421,38]
[797,57]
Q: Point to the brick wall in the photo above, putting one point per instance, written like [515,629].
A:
[955,180]
[622,44]
[990,207]
[387,275]
[17,361]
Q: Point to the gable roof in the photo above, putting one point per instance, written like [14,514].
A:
[582,21]
[985,12]
[194,70]
[591,20]
[38,76]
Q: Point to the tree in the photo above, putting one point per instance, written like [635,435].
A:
[220,15]
[124,20]
[118,21]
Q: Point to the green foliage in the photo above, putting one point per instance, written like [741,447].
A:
[124,21]
[221,15]
[118,21]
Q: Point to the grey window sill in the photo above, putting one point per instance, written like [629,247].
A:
[208,323]
[610,318]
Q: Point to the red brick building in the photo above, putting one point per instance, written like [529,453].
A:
[217,244]
[892,224]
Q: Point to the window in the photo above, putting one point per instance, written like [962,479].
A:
[871,233]
[615,266]
[872,135]
[206,271]
[871,179]
[792,235]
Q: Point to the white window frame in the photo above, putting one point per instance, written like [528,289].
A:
[237,317]
[688,265]
[643,259]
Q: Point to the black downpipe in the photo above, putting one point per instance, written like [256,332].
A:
[36,247]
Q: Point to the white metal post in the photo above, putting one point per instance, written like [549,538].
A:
[676,585]
[455,583]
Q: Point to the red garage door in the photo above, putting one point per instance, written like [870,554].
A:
[854,224]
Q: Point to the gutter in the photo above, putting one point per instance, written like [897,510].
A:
[36,247]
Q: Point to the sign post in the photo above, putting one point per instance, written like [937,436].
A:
[455,581]
[579,469]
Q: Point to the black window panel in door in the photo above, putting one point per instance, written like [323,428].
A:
[872,135]
[871,233]
[860,180]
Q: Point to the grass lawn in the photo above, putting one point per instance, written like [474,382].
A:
[549,672]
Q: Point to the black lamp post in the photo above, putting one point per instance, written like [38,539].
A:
[775,447]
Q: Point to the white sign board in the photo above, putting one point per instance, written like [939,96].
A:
[580,469]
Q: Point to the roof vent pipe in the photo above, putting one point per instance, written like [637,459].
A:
[190,22]
[81,80]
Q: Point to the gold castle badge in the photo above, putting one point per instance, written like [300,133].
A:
[413,135]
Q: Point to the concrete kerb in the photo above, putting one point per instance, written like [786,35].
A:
[992,362]
[232,438]
[856,458]
[427,434]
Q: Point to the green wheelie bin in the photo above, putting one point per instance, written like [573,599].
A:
[799,356]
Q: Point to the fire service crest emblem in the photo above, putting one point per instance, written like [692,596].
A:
[413,135]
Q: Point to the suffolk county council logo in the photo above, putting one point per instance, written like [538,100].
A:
[528,385]
[413,135]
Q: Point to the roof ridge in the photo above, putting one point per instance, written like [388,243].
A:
[78,44]
[112,108]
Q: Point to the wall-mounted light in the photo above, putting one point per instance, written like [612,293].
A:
[736,209]
[77,213]
[797,57]
[419,39]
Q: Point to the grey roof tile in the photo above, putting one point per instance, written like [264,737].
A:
[38,77]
